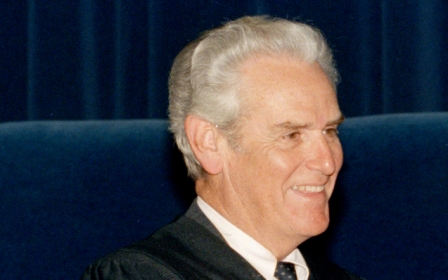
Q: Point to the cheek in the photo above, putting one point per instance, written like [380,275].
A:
[282,162]
[264,167]
[259,174]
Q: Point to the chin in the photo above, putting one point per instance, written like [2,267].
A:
[322,229]
[314,226]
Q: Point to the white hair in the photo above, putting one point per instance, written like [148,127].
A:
[205,75]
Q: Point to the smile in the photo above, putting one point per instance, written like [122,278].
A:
[313,189]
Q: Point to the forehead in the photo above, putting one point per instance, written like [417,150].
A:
[288,87]
[280,71]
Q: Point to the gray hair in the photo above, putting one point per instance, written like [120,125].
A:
[204,76]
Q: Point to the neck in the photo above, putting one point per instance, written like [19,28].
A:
[231,208]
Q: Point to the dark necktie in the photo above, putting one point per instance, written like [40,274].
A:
[285,271]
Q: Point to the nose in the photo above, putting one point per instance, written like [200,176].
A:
[322,157]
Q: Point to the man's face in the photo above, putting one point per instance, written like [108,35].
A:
[283,171]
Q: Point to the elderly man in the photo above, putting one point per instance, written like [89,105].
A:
[254,111]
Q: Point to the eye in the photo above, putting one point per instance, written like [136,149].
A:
[332,131]
[291,136]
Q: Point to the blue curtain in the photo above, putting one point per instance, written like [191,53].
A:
[110,59]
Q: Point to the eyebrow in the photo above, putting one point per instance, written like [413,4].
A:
[294,126]
[338,121]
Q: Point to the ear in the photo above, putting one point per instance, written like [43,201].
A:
[203,139]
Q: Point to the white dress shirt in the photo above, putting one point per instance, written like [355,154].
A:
[252,251]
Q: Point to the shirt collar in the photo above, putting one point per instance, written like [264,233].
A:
[252,251]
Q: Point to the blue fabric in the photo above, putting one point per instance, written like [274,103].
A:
[110,59]
[390,206]
[72,191]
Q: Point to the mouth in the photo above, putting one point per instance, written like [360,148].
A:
[308,189]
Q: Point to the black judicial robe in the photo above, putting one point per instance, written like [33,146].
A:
[190,248]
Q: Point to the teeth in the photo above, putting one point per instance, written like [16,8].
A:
[308,188]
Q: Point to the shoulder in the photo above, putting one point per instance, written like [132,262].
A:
[182,250]
[129,263]
[146,259]
[164,255]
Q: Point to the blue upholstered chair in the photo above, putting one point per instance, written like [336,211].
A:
[72,191]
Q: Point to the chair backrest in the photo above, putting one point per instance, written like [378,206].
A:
[72,191]
[390,206]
